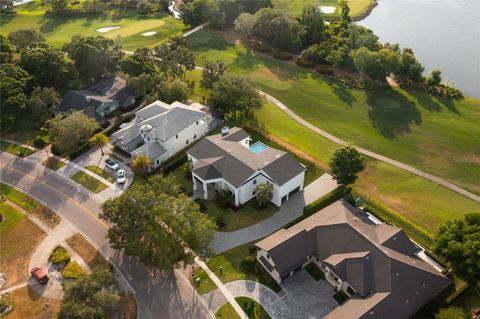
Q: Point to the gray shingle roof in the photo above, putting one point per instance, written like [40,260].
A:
[168,124]
[388,282]
[150,150]
[236,163]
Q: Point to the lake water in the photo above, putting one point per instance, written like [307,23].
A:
[444,34]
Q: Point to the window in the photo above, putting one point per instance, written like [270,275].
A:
[158,161]
[186,142]
[176,136]
[350,291]
[197,122]
[195,136]
[254,181]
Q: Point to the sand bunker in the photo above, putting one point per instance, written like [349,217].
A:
[107,29]
[149,33]
[327,9]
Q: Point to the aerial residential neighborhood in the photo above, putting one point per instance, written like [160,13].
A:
[253,159]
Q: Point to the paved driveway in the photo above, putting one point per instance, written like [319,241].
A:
[303,297]
[289,210]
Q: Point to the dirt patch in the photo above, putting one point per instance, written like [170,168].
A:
[231,35]
[469,158]
[88,253]
[46,215]
[27,304]
[18,244]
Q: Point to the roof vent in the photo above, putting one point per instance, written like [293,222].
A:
[355,219]
[225,130]
[277,156]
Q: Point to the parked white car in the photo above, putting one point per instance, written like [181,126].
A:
[121,176]
[111,164]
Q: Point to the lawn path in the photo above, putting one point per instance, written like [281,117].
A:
[408,168]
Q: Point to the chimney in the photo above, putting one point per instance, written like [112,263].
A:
[225,130]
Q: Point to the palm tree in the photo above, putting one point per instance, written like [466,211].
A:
[141,164]
[264,194]
[99,140]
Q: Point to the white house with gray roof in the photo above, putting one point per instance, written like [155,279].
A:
[228,162]
[377,265]
[159,130]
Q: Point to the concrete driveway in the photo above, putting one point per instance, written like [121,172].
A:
[289,210]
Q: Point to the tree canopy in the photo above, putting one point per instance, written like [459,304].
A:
[313,25]
[25,38]
[13,101]
[91,296]
[458,242]
[6,50]
[94,56]
[140,62]
[263,194]
[48,67]
[42,103]
[345,164]
[154,221]
[174,58]
[234,93]
[451,313]
[211,73]
[69,132]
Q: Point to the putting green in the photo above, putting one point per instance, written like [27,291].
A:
[137,28]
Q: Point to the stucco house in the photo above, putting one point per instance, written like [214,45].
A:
[159,130]
[376,264]
[99,100]
[228,162]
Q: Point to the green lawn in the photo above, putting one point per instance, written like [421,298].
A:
[17,197]
[357,7]
[230,261]
[469,299]
[227,312]
[25,132]
[252,309]
[11,215]
[59,29]
[184,181]
[246,216]
[14,148]
[437,135]
[90,183]
[53,163]
[101,172]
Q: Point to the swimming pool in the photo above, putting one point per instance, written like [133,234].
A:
[258,147]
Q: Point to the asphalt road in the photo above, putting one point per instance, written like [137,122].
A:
[159,294]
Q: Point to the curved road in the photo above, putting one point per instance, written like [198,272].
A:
[159,294]
[411,169]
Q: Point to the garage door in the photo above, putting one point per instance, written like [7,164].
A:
[294,191]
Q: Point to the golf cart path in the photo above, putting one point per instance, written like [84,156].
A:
[406,167]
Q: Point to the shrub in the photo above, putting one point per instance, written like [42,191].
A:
[38,143]
[282,55]
[175,163]
[305,63]
[79,151]
[260,47]
[324,69]
[5,305]
[59,256]
[249,263]
[55,150]
[252,249]
[73,271]
[223,199]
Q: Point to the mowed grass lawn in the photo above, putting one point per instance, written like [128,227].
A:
[89,182]
[19,236]
[424,203]
[59,29]
[437,135]
[295,7]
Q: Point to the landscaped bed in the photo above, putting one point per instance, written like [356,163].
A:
[314,271]
[90,183]
[232,269]
[252,308]
[15,149]
[88,253]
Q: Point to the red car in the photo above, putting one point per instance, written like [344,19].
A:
[40,275]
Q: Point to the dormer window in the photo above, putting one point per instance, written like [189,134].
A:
[176,136]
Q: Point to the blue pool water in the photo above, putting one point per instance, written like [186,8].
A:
[258,147]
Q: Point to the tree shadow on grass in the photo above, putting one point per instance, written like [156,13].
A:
[342,91]
[391,113]
[51,22]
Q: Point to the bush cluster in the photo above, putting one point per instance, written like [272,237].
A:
[282,55]
[249,263]
[73,271]
[59,256]
[38,143]
[304,63]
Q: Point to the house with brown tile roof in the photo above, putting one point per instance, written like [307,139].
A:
[376,265]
